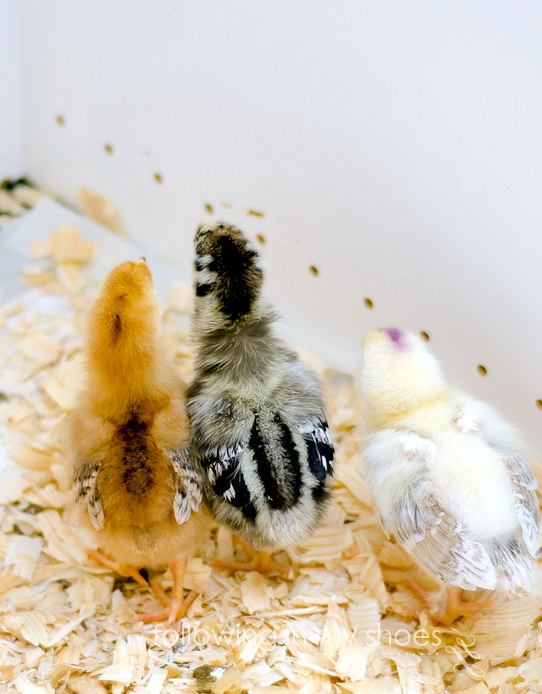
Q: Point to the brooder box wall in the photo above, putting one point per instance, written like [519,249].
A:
[393,149]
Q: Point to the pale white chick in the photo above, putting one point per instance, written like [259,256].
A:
[259,430]
[449,476]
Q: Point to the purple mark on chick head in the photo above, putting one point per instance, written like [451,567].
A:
[397,337]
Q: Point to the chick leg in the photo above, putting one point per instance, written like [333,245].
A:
[159,592]
[454,606]
[176,606]
[257,561]
[121,569]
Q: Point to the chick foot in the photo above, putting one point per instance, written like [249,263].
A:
[121,569]
[175,607]
[454,606]
[260,561]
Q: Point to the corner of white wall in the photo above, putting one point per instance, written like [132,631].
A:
[11,142]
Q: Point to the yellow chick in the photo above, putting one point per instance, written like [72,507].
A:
[128,436]
[449,476]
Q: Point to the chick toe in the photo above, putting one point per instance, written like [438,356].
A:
[260,561]
[176,606]
[121,569]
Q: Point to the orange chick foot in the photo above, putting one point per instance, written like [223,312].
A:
[175,607]
[257,561]
[121,569]
[454,606]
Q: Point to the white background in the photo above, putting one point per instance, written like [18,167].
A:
[11,154]
[395,145]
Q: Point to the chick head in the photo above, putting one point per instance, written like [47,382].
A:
[397,371]
[127,303]
[228,275]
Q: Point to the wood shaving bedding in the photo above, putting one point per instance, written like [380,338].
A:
[101,209]
[343,620]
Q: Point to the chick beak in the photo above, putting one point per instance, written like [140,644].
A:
[141,261]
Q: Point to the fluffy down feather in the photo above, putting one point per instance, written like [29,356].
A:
[259,430]
[129,432]
[449,476]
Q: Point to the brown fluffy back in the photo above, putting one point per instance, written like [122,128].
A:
[132,411]
[136,480]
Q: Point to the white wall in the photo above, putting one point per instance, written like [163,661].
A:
[396,145]
[11,158]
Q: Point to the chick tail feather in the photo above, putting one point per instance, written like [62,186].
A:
[515,570]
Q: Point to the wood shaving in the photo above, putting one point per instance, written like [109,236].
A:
[27,195]
[31,457]
[100,209]
[343,620]
[85,685]
[180,298]
[68,246]
[70,277]
[40,348]
[8,204]
[22,555]
[35,275]
[255,593]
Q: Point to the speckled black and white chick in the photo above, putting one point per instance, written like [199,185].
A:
[259,429]
[449,476]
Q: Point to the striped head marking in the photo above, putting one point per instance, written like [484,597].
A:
[227,269]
